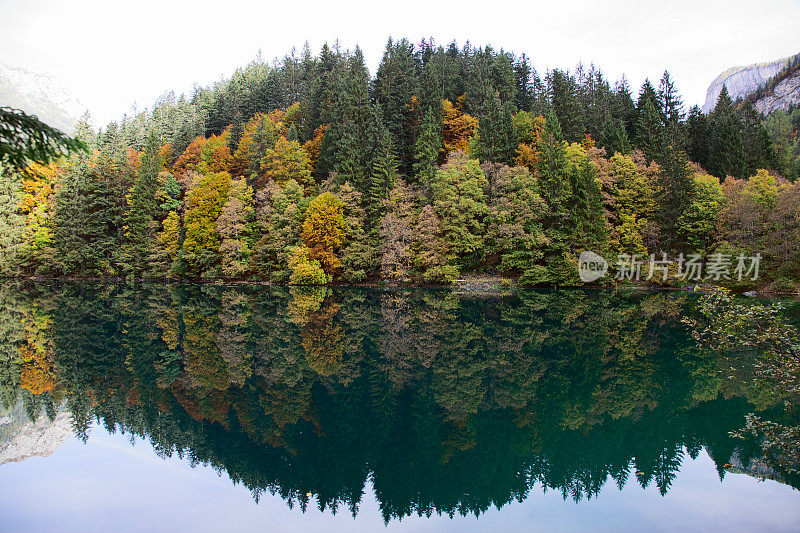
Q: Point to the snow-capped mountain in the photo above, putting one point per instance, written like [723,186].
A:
[40,95]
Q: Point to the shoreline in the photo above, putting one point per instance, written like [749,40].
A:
[488,285]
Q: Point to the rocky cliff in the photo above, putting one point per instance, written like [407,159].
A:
[784,95]
[22,439]
[742,82]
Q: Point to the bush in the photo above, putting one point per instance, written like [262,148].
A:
[305,271]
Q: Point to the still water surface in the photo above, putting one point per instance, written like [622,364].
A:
[164,408]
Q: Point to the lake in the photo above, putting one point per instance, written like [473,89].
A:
[203,407]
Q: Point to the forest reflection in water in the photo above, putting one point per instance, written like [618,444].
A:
[446,403]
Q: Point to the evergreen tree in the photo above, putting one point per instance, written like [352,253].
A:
[497,138]
[552,169]
[395,87]
[566,106]
[504,78]
[524,92]
[614,137]
[426,149]
[726,150]
[697,132]
[142,211]
[651,136]
[675,191]
[756,143]
[622,106]
[671,107]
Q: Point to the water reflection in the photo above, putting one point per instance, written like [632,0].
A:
[446,403]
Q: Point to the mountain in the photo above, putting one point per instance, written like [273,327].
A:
[773,85]
[40,95]
[22,439]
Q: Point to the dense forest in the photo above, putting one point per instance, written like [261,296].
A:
[448,161]
[443,403]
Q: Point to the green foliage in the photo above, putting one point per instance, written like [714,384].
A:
[497,137]
[25,139]
[202,241]
[305,269]
[302,390]
[148,201]
[426,148]
[515,239]
[235,227]
[143,210]
[279,215]
[697,224]
[460,205]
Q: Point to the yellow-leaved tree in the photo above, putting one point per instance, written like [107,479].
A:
[204,205]
[286,161]
[324,231]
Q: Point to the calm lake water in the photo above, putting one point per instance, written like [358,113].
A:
[203,408]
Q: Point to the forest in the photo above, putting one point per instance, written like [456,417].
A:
[443,403]
[449,161]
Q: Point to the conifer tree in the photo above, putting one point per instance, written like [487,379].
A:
[651,136]
[504,80]
[142,211]
[426,149]
[757,146]
[497,137]
[566,106]
[382,179]
[524,93]
[552,168]
[395,87]
[726,151]
[614,137]
[697,134]
[671,107]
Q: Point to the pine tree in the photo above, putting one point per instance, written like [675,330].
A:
[726,150]
[675,191]
[614,137]
[651,136]
[567,107]
[671,107]
[142,211]
[504,79]
[497,137]
[395,87]
[697,133]
[756,143]
[524,93]
[383,173]
[622,106]
[552,168]
[426,149]
[586,209]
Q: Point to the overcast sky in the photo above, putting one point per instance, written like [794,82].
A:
[113,54]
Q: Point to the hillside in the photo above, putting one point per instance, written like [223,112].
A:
[40,95]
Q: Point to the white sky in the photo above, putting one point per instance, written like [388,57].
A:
[112,54]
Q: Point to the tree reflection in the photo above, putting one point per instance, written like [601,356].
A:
[448,404]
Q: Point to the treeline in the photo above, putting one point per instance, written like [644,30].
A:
[449,160]
[446,404]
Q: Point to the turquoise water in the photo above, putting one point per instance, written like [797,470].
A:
[250,407]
